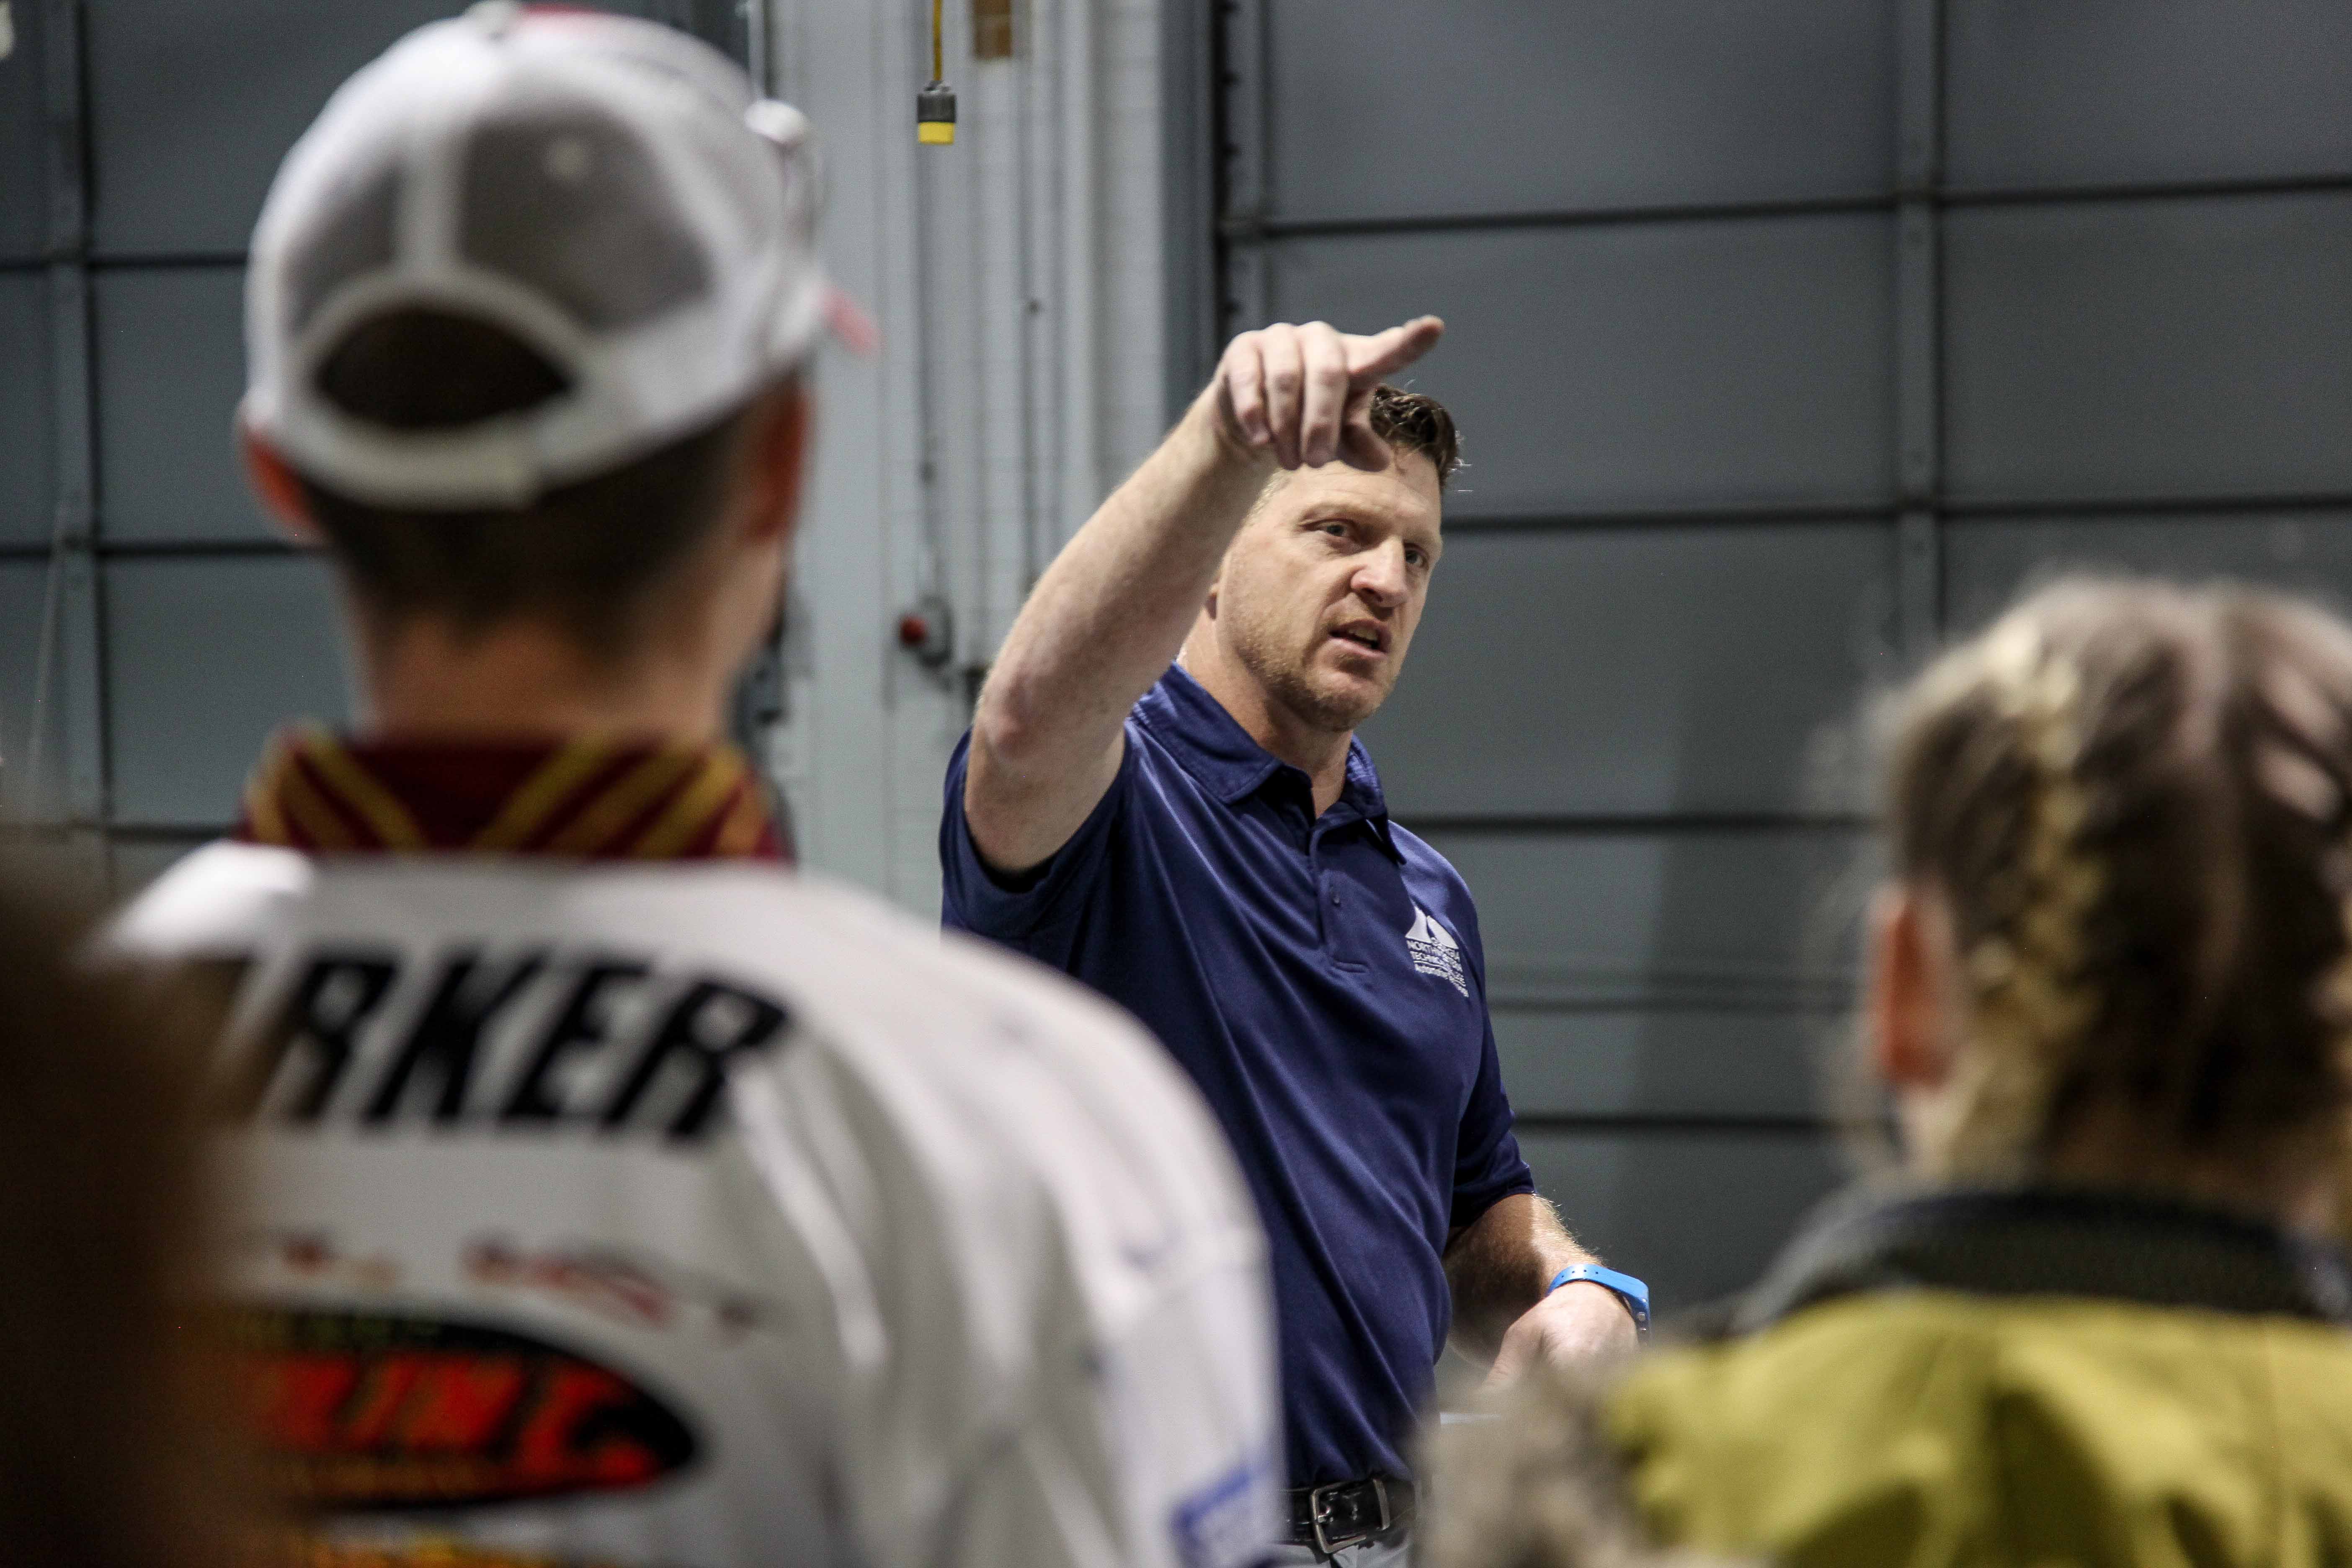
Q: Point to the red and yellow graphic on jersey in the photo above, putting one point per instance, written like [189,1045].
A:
[593,797]
[376,1412]
[311,1552]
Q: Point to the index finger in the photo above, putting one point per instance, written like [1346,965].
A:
[1368,359]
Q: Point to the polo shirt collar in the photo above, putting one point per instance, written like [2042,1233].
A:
[1213,748]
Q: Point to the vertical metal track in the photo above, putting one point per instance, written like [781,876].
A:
[1082,446]
[1918,329]
[1189,86]
[1245,292]
[70,697]
[758,56]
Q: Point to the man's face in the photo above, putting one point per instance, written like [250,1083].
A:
[1319,595]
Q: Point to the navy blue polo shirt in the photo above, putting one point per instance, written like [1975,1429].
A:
[1322,981]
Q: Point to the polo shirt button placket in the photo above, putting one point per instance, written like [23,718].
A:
[1337,949]
[1327,900]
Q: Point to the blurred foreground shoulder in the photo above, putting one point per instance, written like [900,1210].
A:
[1531,1481]
[1939,1430]
[222,901]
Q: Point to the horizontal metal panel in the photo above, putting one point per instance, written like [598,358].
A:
[182,164]
[205,658]
[2123,91]
[132,863]
[181,160]
[69,868]
[1705,919]
[1638,366]
[1987,560]
[1497,106]
[23,591]
[1697,1216]
[171,366]
[1667,1064]
[2155,348]
[27,412]
[1640,671]
[24,142]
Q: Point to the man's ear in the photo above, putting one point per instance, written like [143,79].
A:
[274,481]
[775,462]
[1909,1010]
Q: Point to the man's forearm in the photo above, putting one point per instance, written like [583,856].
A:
[1501,1266]
[1114,607]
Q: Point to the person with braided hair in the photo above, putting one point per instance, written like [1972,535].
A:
[2101,1320]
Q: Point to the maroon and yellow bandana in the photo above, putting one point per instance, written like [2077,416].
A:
[593,797]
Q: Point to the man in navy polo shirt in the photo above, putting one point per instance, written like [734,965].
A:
[1207,845]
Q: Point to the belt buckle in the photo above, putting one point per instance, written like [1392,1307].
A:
[1319,1514]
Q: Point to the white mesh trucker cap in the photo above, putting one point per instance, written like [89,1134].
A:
[608,190]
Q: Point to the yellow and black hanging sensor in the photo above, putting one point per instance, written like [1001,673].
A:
[935,105]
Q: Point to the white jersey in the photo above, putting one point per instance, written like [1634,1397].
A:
[698,1214]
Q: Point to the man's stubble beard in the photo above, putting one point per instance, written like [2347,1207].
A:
[1289,686]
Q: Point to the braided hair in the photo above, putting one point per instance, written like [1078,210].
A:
[2136,801]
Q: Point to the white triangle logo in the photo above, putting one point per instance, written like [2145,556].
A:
[1435,952]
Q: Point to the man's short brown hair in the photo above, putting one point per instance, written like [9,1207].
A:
[583,558]
[1415,423]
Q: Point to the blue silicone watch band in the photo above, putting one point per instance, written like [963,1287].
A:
[1628,1289]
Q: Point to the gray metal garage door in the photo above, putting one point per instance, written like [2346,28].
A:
[136,140]
[1784,337]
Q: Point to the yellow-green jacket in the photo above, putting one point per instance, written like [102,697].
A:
[2151,1388]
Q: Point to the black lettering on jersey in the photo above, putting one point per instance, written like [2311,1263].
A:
[465,1048]
[447,1034]
[336,994]
[710,1024]
[580,1026]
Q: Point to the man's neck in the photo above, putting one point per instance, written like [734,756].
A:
[524,680]
[1321,754]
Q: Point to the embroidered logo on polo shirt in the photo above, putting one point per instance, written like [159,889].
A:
[1434,951]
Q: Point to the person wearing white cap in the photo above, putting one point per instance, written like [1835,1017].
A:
[615,1196]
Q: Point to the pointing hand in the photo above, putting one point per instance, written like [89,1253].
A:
[1303,395]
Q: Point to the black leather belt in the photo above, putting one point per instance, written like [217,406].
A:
[1349,1513]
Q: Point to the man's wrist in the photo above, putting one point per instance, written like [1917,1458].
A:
[1632,1293]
